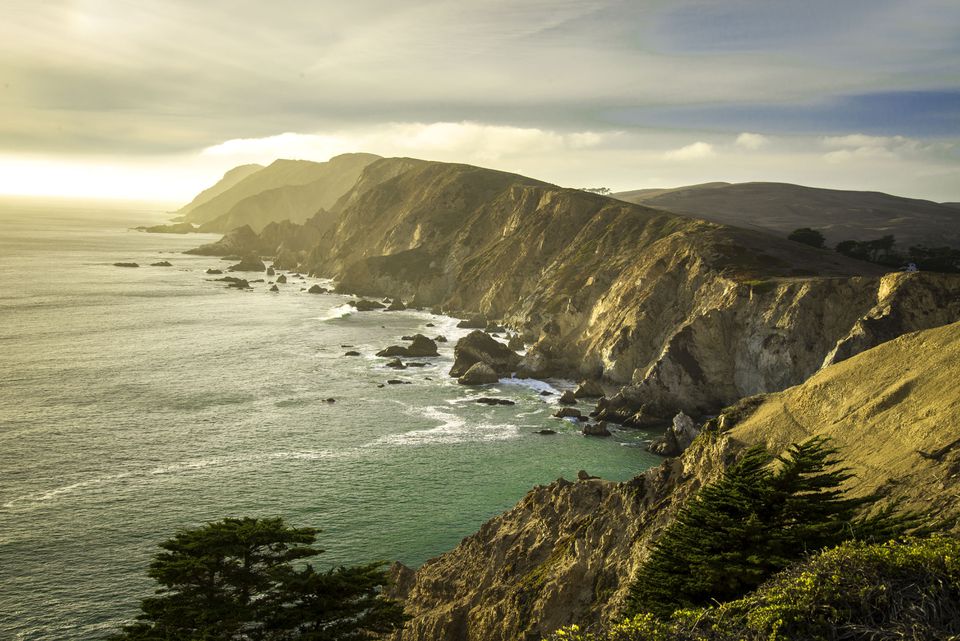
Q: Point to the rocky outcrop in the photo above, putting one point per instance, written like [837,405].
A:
[566,552]
[249,263]
[126,264]
[479,374]
[364,305]
[588,389]
[238,242]
[174,228]
[421,346]
[478,347]
[396,305]
[677,437]
[595,429]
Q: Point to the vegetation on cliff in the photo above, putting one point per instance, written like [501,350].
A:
[753,522]
[236,580]
[857,591]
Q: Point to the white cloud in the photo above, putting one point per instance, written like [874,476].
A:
[862,140]
[867,152]
[751,141]
[694,151]
[457,141]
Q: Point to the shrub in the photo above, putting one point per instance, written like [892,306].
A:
[903,590]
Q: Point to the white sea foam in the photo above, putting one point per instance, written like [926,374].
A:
[452,429]
[337,312]
[179,467]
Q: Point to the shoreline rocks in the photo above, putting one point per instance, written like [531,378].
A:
[479,373]
[478,346]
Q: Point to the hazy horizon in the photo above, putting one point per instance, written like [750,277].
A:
[155,101]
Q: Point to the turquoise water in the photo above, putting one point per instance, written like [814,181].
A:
[134,402]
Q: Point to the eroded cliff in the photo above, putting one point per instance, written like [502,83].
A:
[567,551]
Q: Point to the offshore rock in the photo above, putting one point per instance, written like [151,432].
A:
[478,347]
[477,321]
[420,347]
[249,263]
[479,374]
[595,429]
[364,305]
[515,342]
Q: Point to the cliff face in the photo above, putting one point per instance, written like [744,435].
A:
[685,313]
[284,190]
[567,551]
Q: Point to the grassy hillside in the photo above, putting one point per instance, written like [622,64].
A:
[839,215]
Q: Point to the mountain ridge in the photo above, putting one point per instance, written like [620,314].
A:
[839,214]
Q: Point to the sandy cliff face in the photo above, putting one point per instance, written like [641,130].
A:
[566,552]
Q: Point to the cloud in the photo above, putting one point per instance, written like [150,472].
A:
[694,151]
[750,141]
[456,141]
[866,152]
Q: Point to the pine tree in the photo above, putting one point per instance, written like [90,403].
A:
[235,580]
[753,522]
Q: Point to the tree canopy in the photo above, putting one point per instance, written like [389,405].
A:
[236,580]
[753,522]
[807,236]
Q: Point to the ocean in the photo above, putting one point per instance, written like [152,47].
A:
[135,402]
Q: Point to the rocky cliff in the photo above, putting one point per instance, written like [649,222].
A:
[685,313]
[285,190]
[566,552]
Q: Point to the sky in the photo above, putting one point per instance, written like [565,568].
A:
[156,99]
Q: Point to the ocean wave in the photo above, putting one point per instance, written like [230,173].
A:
[179,467]
[452,429]
[339,311]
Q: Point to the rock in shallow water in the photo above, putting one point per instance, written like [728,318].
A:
[595,429]
[486,400]
[480,347]
[478,374]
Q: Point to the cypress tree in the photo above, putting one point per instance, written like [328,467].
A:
[235,580]
[753,522]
